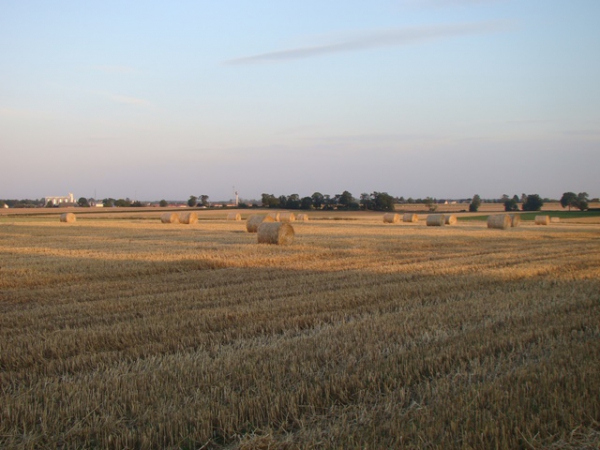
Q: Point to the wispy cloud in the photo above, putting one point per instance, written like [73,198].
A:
[376,39]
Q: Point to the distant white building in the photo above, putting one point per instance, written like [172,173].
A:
[56,201]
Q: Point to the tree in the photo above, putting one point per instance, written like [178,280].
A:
[163,203]
[568,199]
[204,200]
[293,202]
[193,201]
[382,201]
[475,203]
[582,201]
[532,202]
[510,204]
[429,202]
[83,202]
[317,200]
[345,199]
[365,201]
[269,201]
[282,201]
[108,202]
[579,201]
[123,202]
[306,203]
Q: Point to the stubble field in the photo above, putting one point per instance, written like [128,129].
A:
[123,332]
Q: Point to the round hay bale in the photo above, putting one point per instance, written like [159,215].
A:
[278,233]
[410,217]
[450,219]
[188,218]
[234,216]
[554,219]
[515,220]
[169,217]
[436,220]
[255,220]
[391,218]
[499,221]
[68,218]
[302,217]
[287,217]
[274,216]
[542,220]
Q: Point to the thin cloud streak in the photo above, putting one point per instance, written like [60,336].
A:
[377,39]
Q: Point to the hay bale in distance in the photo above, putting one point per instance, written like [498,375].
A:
[68,218]
[169,217]
[287,217]
[499,221]
[410,217]
[391,218]
[188,218]
[274,216]
[278,233]
[554,219]
[436,220]
[515,220]
[450,219]
[234,216]
[255,220]
[302,217]
[542,220]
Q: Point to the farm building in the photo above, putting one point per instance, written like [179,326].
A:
[56,201]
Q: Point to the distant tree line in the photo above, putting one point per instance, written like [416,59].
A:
[375,201]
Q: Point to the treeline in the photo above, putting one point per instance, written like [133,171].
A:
[375,201]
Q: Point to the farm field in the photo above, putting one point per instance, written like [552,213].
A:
[118,331]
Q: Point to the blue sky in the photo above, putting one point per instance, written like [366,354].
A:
[417,98]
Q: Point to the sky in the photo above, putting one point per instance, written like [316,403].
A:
[153,100]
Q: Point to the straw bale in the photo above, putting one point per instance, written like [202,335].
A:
[391,218]
[410,217]
[555,219]
[515,220]
[278,233]
[542,220]
[436,220]
[274,216]
[302,217]
[68,217]
[450,219]
[499,221]
[287,217]
[234,216]
[188,218]
[255,220]
[169,217]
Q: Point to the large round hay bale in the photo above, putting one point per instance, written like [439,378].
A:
[278,233]
[450,219]
[499,221]
[554,219]
[68,217]
[542,220]
[287,217]
[169,217]
[274,216]
[302,217]
[255,220]
[515,220]
[391,218]
[436,220]
[188,218]
[234,216]
[410,217]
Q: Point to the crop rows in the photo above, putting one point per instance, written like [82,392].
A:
[136,334]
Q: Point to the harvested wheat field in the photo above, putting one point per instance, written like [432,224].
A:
[119,333]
